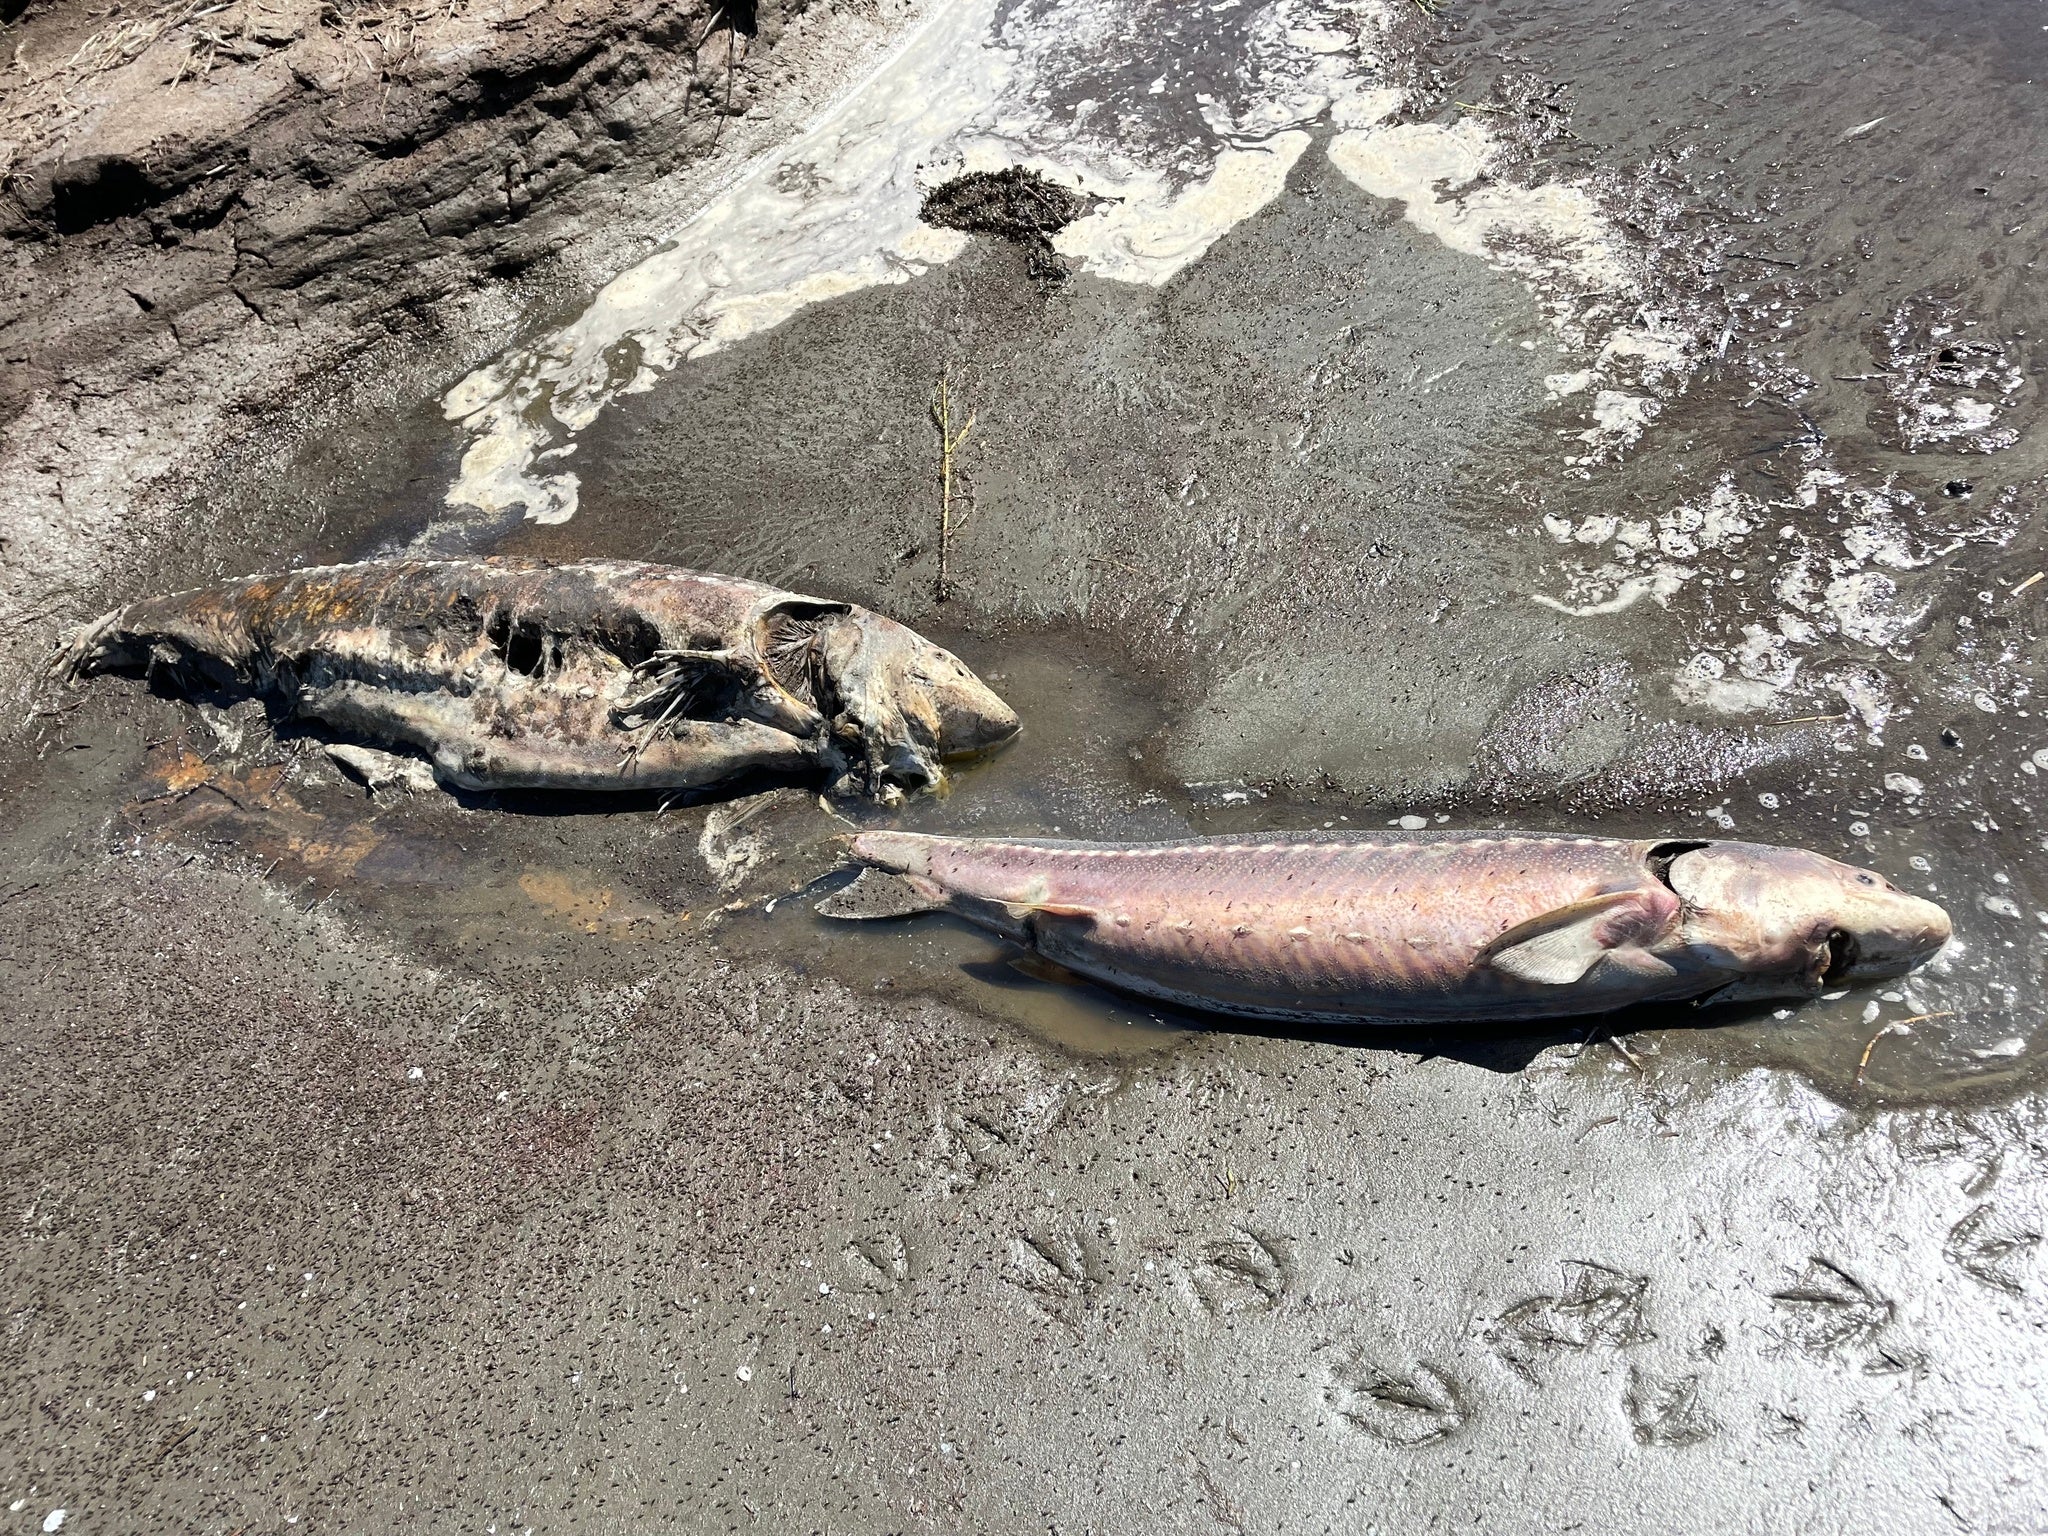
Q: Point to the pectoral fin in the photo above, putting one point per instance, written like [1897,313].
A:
[1558,947]
[878,893]
[1640,962]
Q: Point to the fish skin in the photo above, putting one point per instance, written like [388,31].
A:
[513,673]
[1379,927]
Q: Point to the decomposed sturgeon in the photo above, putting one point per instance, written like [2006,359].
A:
[593,675]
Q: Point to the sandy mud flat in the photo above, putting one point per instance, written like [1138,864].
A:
[1611,417]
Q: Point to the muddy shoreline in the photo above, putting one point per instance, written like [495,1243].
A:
[418,1160]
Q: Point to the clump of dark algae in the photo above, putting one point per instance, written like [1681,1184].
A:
[1015,204]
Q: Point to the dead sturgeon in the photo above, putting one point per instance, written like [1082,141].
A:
[1415,927]
[596,675]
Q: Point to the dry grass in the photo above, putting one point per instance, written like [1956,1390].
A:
[40,105]
[950,494]
[119,42]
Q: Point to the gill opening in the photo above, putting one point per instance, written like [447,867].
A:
[792,649]
[1661,857]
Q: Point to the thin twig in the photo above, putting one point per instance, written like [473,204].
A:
[191,789]
[2016,591]
[1922,1018]
[1865,1061]
[1806,720]
[950,443]
[1897,1026]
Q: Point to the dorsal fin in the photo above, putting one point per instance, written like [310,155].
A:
[1556,947]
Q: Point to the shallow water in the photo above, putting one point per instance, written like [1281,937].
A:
[1308,535]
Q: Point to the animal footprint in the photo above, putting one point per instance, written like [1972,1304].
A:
[1990,1248]
[880,1263]
[1599,1307]
[1830,1309]
[1244,1272]
[1062,1271]
[1417,1409]
[1665,1412]
[971,1145]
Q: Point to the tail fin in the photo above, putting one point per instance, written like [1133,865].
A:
[88,649]
[880,893]
[896,882]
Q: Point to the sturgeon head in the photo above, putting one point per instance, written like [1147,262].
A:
[897,703]
[1785,922]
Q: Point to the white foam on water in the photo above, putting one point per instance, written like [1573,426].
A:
[1440,174]
[836,211]
[831,213]
[1837,564]
[1150,231]
[1556,238]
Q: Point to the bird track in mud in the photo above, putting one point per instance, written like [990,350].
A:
[1243,1271]
[1418,1407]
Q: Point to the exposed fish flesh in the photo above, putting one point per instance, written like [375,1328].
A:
[1415,926]
[596,675]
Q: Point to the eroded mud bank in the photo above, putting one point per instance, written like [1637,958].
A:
[220,218]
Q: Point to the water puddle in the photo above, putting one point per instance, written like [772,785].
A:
[598,895]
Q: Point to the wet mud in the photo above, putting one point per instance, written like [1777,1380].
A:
[557,1165]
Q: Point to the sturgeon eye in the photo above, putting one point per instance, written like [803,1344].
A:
[1866,879]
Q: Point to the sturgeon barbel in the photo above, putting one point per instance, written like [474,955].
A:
[1415,927]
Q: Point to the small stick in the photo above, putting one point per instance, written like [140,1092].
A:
[2016,591]
[1865,1062]
[1893,1028]
[1805,720]
[949,444]
[1624,1052]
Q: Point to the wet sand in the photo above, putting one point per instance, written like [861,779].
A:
[416,1162]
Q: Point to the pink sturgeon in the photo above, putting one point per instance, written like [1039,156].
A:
[1415,926]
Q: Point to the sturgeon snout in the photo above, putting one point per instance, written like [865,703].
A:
[915,704]
[1794,922]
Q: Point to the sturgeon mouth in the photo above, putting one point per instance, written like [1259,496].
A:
[1842,953]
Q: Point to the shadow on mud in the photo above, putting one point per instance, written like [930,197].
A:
[1491,1046]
